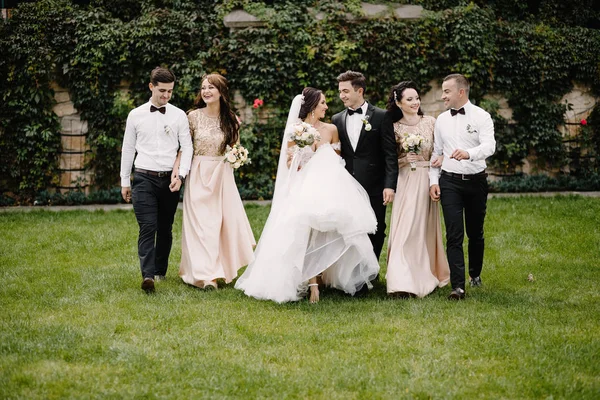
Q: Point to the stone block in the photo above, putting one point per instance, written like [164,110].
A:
[408,12]
[70,180]
[71,161]
[62,97]
[73,143]
[374,10]
[241,19]
[73,125]
[581,101]
[64,109]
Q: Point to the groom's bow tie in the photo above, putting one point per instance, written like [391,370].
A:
[358,111]
[461,110]
[161,110]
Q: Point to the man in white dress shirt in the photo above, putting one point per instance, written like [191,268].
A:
[156,131]
[465,136]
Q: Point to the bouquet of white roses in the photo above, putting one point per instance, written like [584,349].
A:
[236,155]
[412,144]
[304,134]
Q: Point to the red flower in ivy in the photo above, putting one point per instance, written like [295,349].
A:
[257,103]
[583,122]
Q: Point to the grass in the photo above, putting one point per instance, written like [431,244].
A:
[75,324]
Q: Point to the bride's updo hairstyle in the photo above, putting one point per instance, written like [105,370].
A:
[396,95]
[312,97]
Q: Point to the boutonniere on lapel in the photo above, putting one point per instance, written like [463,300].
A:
[168,130]
[471,130]
[366,123]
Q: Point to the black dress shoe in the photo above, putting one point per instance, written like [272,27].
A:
[475,282]
[457,294]
[148,285]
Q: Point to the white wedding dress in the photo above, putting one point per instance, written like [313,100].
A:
[319,221]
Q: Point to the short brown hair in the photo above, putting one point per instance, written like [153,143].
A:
[461,82]
[357,80]
[161,75]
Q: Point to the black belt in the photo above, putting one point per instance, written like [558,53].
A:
[465,177]
[160,174]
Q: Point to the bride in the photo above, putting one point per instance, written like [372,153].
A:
[319,220]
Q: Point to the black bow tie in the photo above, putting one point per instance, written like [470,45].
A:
[459,111]
[358,111]
[161,110]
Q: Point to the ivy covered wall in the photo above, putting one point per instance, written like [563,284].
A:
[530,53]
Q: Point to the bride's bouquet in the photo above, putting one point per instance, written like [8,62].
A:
[304,134]
[412,144]
[236,155]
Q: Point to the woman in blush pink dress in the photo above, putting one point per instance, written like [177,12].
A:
[217,239]
[417,263]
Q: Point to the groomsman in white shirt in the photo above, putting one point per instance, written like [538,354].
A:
[156,131]
[465,136]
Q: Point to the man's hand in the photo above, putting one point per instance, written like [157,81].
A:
[175,184]
[434,192]
[175,173]
[459,155]
[126,193]
[388,196]
[437,161]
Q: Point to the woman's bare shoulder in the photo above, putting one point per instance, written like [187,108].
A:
[329,127]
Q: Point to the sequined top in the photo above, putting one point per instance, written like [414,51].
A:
[206,132]
[424,128]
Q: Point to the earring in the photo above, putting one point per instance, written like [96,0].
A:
[312,114]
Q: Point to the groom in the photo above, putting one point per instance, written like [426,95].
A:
[368,147]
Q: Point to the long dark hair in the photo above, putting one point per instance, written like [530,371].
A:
[396,95]
[312,97]
[228,120]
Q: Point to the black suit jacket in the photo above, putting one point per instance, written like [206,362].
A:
[374,164]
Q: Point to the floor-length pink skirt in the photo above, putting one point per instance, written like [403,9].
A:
[217,239]
[417,262]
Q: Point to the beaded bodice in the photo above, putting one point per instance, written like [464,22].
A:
[206,134]
[424,128]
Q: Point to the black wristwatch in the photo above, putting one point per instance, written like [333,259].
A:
[181,178]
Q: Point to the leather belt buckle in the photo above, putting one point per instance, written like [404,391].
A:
[162,174]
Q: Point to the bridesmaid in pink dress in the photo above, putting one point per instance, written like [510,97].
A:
[217,239]
[417,263]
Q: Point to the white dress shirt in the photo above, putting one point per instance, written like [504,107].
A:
[354,125]
[156,138]
[473,132]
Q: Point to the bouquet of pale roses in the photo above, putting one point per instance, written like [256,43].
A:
[304,134]
[412,144]
[236,155]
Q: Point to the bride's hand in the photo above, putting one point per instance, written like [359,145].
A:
[290,156]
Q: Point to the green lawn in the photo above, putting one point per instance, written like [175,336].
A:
[75,324]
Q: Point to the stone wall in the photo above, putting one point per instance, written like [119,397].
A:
[74,148]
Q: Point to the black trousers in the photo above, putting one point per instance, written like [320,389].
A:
[468,197]
[378,237]
[154,205]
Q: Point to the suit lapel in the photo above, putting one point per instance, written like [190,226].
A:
[344,132]
[363,132]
